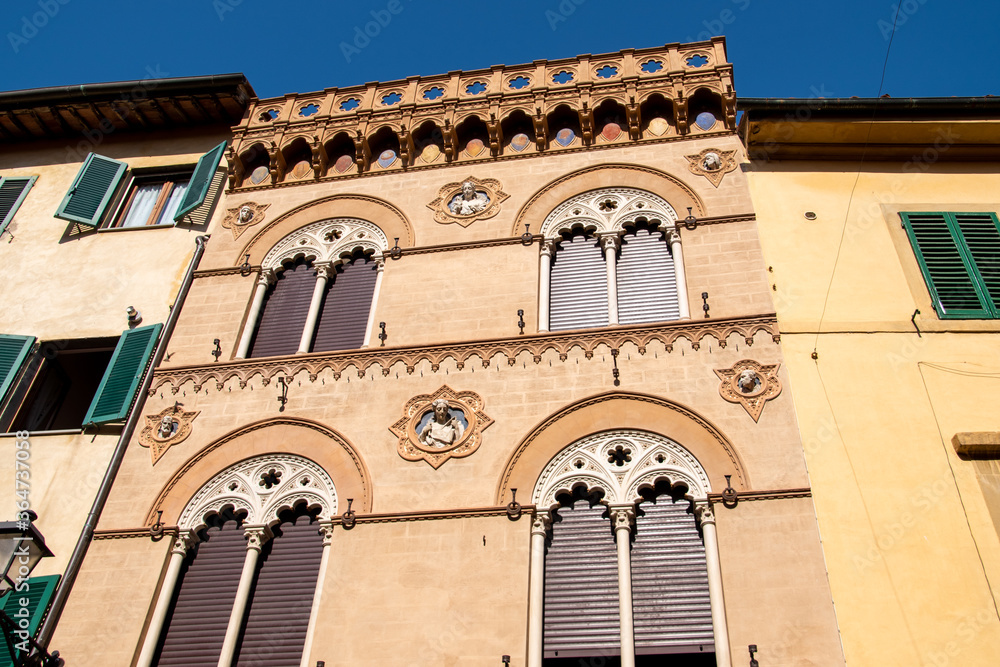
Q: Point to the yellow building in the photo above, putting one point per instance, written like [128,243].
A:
[103,190]
[421,296]
[878,221]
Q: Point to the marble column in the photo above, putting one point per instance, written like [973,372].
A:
[256,536]
[624,519]
[182,543]
[706,518]
[536,586]
[265,280]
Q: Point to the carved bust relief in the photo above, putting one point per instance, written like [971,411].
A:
[238,219]
[469,200]
[439,426]
[712,163]
[751,384]
[169,427]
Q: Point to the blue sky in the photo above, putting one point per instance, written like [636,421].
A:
[779,49]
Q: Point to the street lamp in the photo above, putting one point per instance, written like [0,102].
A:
[21,547]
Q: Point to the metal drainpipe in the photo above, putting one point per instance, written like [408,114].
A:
[76,559]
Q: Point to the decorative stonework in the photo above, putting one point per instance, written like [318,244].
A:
[621,464]
[750,384]
[712,163]
[432,429]
[467,201]
[262,487]
[239,219]
[328,241]
[608,210]
[170,427]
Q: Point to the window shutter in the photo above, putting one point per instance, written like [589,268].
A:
[121,379]
[38,596]
[90,193]
[200,182]
[344,317]
[948,268]
[197,621]
[581,585]
[274,629]
[671,608]
[647,288]
[981,234]
[285,311]
[579,286]
[13,351]
[12,193]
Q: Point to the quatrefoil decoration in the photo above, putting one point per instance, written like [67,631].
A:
[619,455]
[608,205]
[270,478]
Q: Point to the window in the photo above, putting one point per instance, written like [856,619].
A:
[147,198]
[69,384]
[959,255]
[13,190]
[33,598]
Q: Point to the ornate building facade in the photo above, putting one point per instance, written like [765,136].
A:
[476,369]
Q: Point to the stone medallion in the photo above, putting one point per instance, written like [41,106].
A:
[259,175]
[519,142]
[439,426]
[750,384]
[705,120]
[343,163]
[712,163]
[468,200]
[301,170]
[239,219]
[386,158]
[170,427]
[474,147]
[430,153]
[658,126]
[611,131]
[565,136]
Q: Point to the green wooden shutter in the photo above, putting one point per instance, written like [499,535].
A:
[948,267]
[200,182]
[38,595]
[13,350]
[12,193]
[92,190]
[120,381]
[981,237]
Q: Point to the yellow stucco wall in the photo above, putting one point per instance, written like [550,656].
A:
[912,551]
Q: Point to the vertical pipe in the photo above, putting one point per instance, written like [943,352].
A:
[266,278]
[536,587]
[177,554]
[256,536]
[322,276]
[623,518]
[706,518]
[674,237]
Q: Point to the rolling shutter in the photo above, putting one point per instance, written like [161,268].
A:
[200,611]
[274,630]
[579,287]
[12,193]
[647,288]
[201,181]
[38,595]
[671,608]
[344,316]
[951,263]
[13,351]
[121,379]
[581,585]
[90,193]
[286,308]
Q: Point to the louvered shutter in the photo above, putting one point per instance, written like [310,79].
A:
[12,193]
[92,189]
[38,595]
[647,287]
[981,235]
[578,287]
[200,182]
[274,630]
[671,608]
[286,308]
[13,351]
[344,316]
[121,379]
[581,585]
[199,615]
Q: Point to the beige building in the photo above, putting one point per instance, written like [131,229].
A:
[103,190]
[878,221]
[477,369]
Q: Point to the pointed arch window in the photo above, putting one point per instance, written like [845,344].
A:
[343,318]
[285,310]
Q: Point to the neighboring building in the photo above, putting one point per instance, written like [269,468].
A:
[100,204]
[878,220]
[422,295]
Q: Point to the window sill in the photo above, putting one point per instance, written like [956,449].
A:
[102,230]
[31,434]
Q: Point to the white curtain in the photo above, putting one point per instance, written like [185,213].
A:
[142,205]
[173,203]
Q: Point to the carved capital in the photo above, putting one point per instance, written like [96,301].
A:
[183,542]
[267,277]
[323,270]
[379,264]
[674,236]
[541,523]
[326,530]
[623,517]
[256,536]
[610,241]
[704,512]
[548,247]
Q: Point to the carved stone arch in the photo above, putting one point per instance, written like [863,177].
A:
[389,219]
[261,487]
[295,436]
[621,463]
[328,241]
[526,109]
[666,186]
[393,126]
[611,209]
[471,114]
[633,412]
